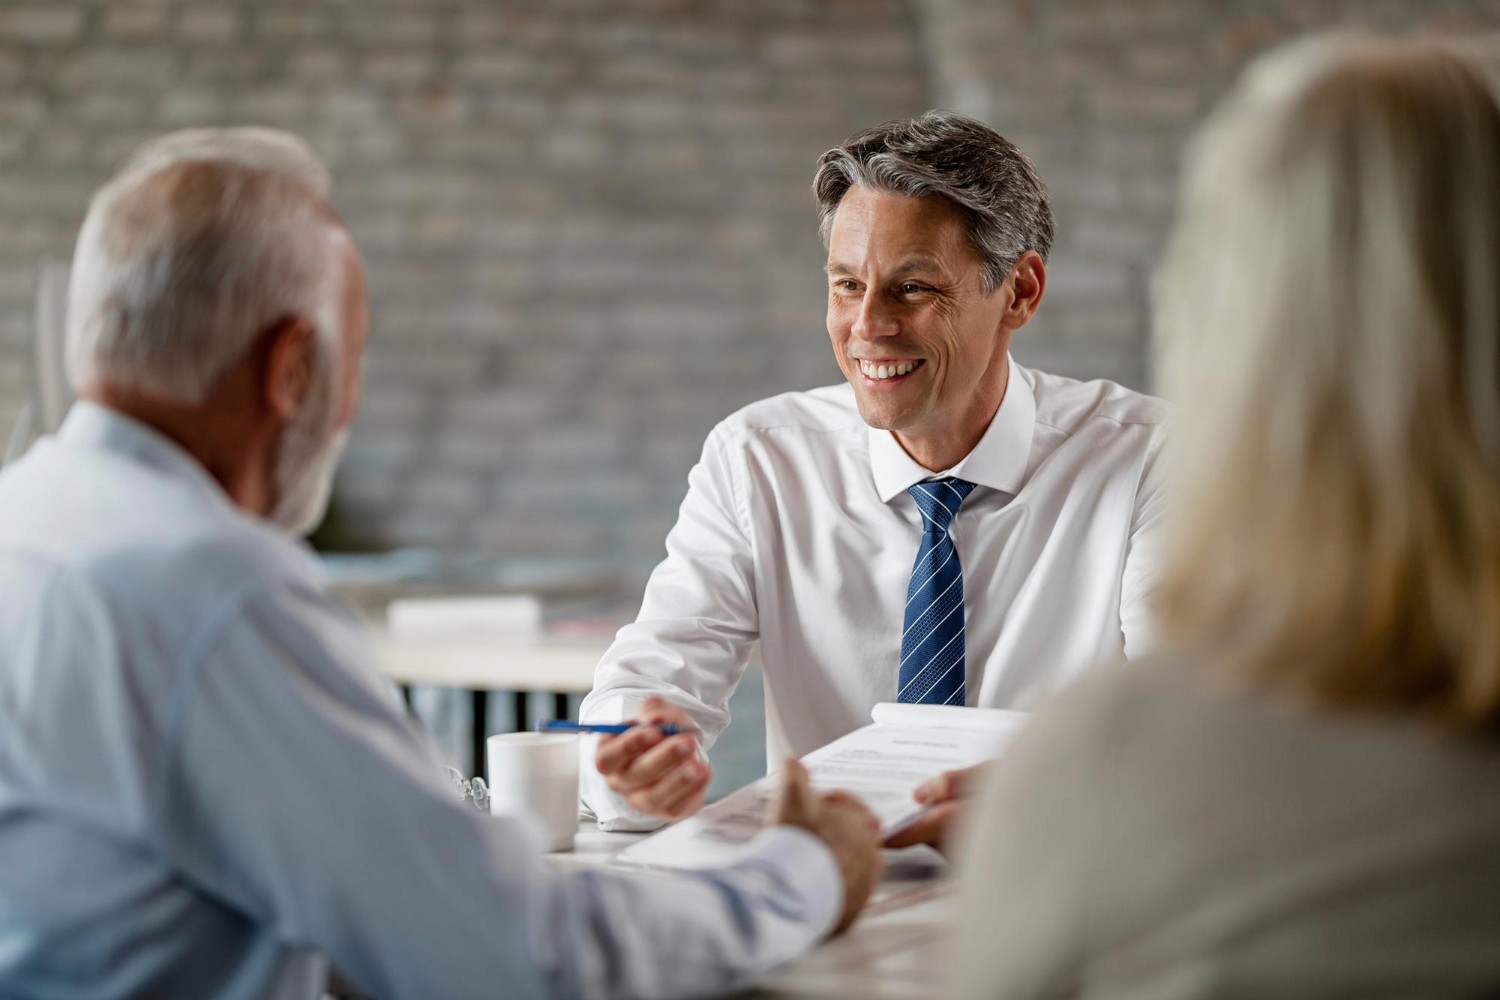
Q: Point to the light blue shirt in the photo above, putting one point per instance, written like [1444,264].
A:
[205,788]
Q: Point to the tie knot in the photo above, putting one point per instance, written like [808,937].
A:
[938,500]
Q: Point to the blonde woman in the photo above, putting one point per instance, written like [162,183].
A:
[1300,795]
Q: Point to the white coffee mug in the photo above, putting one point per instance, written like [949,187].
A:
[535,775]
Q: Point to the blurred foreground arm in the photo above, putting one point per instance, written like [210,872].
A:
[299,794]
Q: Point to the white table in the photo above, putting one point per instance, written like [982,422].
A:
[492,659]
[896,951]
[485,660]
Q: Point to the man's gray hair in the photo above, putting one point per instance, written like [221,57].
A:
[204,239]
[999,191]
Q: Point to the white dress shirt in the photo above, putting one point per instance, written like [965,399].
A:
[205,788]
[797,531]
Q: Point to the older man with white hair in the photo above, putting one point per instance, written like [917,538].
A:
[205,791]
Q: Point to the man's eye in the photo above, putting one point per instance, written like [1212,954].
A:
[845,284]
[911,288]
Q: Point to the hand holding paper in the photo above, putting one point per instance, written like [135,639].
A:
[941,795]
[882,765]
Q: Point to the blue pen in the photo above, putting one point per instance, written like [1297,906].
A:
[614,729]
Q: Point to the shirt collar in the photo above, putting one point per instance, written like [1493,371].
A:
[92,425]
[998,461]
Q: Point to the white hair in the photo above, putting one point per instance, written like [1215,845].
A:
[204,239]
[254,147]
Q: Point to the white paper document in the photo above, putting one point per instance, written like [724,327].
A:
[882,764]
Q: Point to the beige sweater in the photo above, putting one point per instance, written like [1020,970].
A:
[1148,839]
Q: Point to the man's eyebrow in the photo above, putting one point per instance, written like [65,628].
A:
[837,267]
[918,264]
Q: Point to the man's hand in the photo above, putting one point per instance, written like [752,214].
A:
[842,822]
[655,774]
[942,794]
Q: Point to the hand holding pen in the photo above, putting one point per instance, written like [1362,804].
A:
[656,765]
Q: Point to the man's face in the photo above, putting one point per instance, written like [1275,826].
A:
[313,442]
[911,325]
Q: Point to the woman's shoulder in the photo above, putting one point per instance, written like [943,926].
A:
[1116,700]
[1176,710]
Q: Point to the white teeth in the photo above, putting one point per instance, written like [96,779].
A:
[881,372]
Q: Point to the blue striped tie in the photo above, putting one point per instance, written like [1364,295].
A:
[932,637]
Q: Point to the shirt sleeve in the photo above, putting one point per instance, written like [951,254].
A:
[1143,555]
[698,624]
[299,793]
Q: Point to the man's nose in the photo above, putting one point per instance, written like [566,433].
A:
[873,318]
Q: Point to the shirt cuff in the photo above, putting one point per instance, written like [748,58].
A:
[805,862]
[612,812]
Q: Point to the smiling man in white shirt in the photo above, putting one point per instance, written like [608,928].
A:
[946,527]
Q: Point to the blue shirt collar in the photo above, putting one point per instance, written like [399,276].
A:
[93,425]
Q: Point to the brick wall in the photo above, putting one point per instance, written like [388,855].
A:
[588,223]
[1102,95]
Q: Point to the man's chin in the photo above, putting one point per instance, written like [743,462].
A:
[882,418]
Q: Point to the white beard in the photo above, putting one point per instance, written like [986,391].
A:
[305,466]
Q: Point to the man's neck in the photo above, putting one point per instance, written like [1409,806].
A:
[218,437]
[947,446]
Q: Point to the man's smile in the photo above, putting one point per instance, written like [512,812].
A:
[887,369]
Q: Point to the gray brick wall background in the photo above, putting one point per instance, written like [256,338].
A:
[588,223]
[1103,95]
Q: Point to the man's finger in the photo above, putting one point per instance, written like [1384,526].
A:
[670,796]
[929,828]
[947,786]
[656,763]
[939,789]
[615,753]
[839,798]
[792,799]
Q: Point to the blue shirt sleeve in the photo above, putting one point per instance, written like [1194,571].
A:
[297,790]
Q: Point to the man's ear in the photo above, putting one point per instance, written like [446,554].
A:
[290,359]
[1028,282]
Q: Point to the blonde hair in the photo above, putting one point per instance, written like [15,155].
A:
[1330,323]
